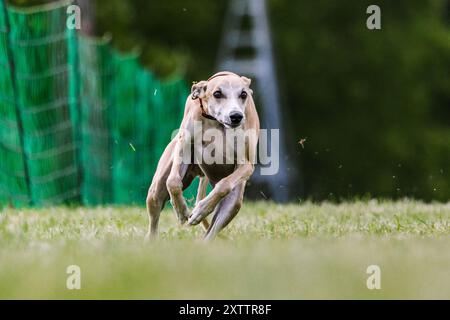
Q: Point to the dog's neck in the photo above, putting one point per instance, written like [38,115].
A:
[204,114]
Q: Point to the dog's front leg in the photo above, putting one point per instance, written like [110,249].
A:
[201,194]
[226,210]
[220,191]
[175,180]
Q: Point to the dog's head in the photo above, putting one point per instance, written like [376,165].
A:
[224,96]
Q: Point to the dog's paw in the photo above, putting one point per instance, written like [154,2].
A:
[150,237]
[198,214]
[183,218]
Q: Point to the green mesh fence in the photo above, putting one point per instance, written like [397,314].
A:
[97,98]
[39,42]
[128,113]
[173,94]
[77,118]
[74,95]
[150,103]
[13,172]
[127,119]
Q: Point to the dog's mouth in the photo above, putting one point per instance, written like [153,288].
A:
[230,125]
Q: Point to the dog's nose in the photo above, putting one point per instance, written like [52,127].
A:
[236,118]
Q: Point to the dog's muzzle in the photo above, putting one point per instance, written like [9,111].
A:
[236,118]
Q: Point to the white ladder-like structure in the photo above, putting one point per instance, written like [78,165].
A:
[256,38]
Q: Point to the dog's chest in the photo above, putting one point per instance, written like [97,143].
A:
[217,154]
[215,172]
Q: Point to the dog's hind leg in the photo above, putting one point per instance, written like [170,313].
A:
[157,194]
[226,210]
[156,200]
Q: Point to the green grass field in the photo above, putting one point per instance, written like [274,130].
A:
[269,251]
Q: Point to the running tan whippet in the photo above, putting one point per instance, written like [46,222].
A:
[223,103]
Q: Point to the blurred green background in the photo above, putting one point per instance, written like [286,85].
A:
[374,106]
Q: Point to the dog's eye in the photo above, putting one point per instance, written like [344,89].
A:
[243,95]
[217,94]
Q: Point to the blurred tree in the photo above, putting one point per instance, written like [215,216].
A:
[177,36]
[373,104]
[28,2]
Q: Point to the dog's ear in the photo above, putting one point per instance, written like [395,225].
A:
[247,81]
[198,90]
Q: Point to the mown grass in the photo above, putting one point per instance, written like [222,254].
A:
[270,251]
